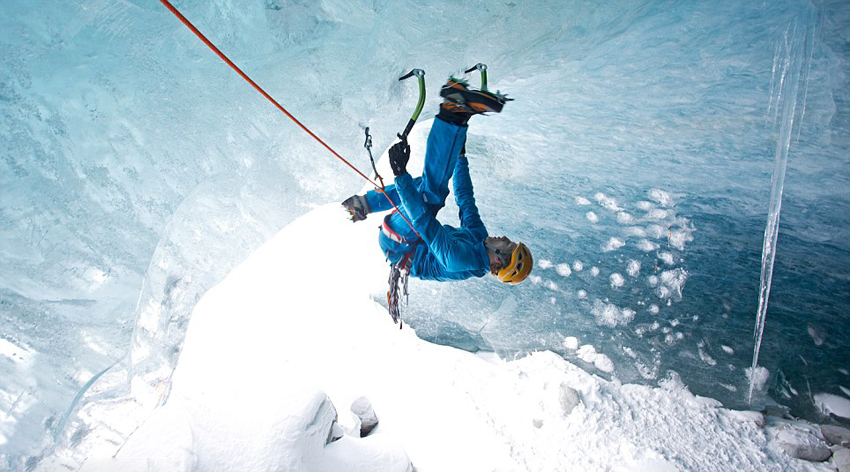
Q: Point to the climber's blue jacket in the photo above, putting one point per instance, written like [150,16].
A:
[444,252]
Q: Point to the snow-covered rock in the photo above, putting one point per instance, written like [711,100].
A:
[569,399]
[801,443]
[836,435]
[841,459]
[362,407]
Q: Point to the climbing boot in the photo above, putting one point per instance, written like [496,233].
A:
[476,101]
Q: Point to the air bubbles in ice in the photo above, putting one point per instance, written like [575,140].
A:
[571,342]
[591,216]
[635,231]
[578,266]
[624,218]
[613,244]
[655,231]
[817,333]
[663,198]
[704,355]
[594,271]
[617,280]
[607,202]
[544,264]
[611,315]
[582,294]
[644,205]
[757,377]
[633,269]
[679,237]
[654,309]
[727,349]
[582,201]
[672,282]
[602,362]
[667,257]
[646,245]
[563,270]
[551,285]
[653,280]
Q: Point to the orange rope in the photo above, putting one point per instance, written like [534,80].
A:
[224,58]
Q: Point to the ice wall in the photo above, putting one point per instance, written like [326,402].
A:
[137,170]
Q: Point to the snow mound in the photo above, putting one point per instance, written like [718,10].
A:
[274,356]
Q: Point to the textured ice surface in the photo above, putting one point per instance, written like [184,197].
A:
[137,170]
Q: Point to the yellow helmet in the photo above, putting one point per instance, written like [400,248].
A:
[519,267]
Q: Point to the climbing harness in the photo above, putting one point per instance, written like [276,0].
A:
[379,188]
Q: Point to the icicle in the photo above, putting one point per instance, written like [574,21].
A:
[790,71]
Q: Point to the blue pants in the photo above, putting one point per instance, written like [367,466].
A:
[445,142]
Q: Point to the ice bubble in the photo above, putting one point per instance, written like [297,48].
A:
[731,388]
[844,371]
[669,340]
[594,271]
[578,266]
[617,280]
[611,315]
[563,270]
[662,197]
[705,356]
[646,245]
[655,231]
[727,349]
[833,405]
[535,279]
[679,237]
[633,269]
[544,264]
[817,333]
[591,216]
[552,285]
[602,362]
[657,214]
[672,282]
[845,390]
[571,342]
[757,377]
[653,280]
[552,300]
[613,244]
[636,231]
[666,257]
[607,202]
[654,309]
[582,201]
[624,218]
[645,205]
[582,294]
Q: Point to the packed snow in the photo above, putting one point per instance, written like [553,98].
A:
[276,357]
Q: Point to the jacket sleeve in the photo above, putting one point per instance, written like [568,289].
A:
[454,255]
[379,203]
[465,199]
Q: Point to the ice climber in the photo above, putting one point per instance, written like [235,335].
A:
[441,252]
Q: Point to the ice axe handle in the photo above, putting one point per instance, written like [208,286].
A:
[483,68]
[420,75]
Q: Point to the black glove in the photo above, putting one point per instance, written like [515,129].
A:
[399,155]
[357,206]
